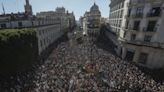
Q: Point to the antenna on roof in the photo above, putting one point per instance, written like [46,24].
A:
[3,9]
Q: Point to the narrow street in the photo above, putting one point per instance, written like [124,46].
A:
[86,67]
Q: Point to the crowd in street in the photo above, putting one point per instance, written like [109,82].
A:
[85,67]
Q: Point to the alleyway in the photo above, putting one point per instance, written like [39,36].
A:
[86,67]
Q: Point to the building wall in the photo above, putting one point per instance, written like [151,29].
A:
[47,35]
[66,19]
[154,59]
[28,23]
[92,21]
[118,12]
[49,26]
[155,55]
[48,29]
[144,23]
[112,37]
[133,40]
[85,25]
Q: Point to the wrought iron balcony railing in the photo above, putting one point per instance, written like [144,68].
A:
[150,14]
[130,29]
[140,15]
[149,29]
[143,43]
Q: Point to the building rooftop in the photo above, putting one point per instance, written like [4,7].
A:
[94,7]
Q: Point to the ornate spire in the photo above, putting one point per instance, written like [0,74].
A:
[28,8]
[94,1]
[27,2]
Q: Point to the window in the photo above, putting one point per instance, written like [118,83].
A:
[44,42]
[32,23]
[136,25]
[119,6]
[124,34]
[40,33]
[141,1]
[151,26]
[3,25]
[39,23]
[129,55]
[143,58]
[133,37]
[147,38]
[121,14]
[139,10]
[122,4]
[127,23]
[119,30]
[155,11]
[129,12]
[117,23]
[116,30]
[120,22]
[41,44]
[117,14]
[20,24]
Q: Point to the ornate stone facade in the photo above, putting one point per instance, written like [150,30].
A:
[91,20]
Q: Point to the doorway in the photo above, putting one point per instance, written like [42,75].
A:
[129,56]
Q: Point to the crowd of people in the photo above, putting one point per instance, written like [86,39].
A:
[84,67]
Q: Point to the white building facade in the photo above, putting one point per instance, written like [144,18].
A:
[141,40]
[85,23]
[49,26]
[47,35]
[67,19]
[118,11]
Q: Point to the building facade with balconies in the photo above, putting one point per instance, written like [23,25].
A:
[117,19]
[143,42]
[85,22]
[92,20]
[117,14]
[67,19]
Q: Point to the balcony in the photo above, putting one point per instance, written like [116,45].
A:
[154,12]
[149,29]
[127,16]
[136,28]
[140,15]
[152,1]
[135,3]
[130,29]
[149,15]
[143,43]
[125,28]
